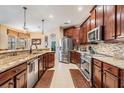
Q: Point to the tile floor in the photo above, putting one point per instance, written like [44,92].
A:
[62,77]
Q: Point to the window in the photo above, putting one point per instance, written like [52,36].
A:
[11,42]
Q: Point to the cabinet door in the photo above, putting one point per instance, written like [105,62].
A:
[97,76]
[40,64]
[51,60]
[109,22]
[21,80]
[88,24]
[81,35]
[93,19]
[122,78]
[76,36]
[65,33]
[8,84]
[84,33]
[109,80]
[120,21]
[99,15]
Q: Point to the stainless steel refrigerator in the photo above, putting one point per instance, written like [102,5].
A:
[66,45]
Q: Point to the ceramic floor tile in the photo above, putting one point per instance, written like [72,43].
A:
[62,77]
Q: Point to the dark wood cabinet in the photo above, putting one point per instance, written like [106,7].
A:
[68,32]
[8,84]
[97,76]
[75,57]
[93,18]
[46,61]
[76,36]
[21,80]
[10,77]
[109,22]
[106,75]
[51,60]
[109,80]
[99,15]
[81,35]
[122,78]
[40,66]
[120,22]
[88,22]
[83,30]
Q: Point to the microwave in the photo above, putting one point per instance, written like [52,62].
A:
[95,34]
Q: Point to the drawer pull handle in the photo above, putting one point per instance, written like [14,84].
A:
[17,78]
[110,69]
[17,70]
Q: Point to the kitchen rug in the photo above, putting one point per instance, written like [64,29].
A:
[45,80]
[78,80]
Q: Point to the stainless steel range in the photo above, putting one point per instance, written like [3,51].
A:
[86,65]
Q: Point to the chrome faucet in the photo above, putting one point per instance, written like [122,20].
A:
[31,48]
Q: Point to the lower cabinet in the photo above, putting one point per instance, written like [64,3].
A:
[51,60]
[75,57]
[109,80]
[8,84]
[41,67]
[97,76]
[21,80]
[15,77]
[45,61]
[105,75]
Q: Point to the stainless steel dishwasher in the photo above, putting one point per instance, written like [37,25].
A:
[32,72]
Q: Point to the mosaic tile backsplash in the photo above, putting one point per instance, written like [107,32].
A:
[116,49]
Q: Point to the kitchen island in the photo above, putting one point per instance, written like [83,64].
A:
[14,68]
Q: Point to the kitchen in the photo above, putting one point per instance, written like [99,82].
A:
[86,50]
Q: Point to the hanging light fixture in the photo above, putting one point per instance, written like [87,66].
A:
[43,26]
[24,27]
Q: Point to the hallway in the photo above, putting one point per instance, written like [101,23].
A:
[62,77]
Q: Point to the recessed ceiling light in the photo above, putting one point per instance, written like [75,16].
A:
[80,8]
[50,16]
[68,22]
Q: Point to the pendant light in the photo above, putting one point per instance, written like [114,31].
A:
[43,26]
[24,27]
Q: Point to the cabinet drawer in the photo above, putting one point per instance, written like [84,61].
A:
[11,73]
[113,70]
[97,62]
[8,84]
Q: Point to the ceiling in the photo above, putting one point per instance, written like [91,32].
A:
[54,15]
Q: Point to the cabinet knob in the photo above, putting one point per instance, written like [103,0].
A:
[110,69]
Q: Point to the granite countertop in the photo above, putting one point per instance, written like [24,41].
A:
[108,59]
[12,61]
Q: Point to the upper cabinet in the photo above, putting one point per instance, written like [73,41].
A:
[120,22]
[88,23]
[109,22]
[76,35]
[111,17]
[68,32]
[93,18]
[73,32]
[99,15]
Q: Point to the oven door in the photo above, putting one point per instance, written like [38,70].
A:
[85,69]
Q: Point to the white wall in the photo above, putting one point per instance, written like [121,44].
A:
[59,34]
[37,35]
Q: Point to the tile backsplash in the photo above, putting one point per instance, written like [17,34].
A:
[111,49]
